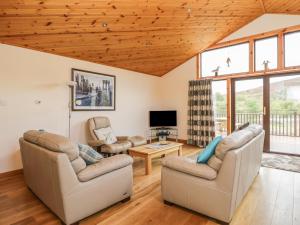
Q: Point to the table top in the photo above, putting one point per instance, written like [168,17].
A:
[150,148]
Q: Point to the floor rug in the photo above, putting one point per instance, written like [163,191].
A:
[282,162]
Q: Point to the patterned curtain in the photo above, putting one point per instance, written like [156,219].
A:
[201,128]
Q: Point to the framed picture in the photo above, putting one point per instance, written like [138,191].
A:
[93,91]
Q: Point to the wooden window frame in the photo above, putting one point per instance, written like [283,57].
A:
[281,68]
[200,60]
[254,53]
[283,50]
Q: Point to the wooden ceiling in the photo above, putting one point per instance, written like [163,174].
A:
[149,36]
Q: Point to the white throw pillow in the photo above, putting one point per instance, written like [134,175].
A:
[106,134]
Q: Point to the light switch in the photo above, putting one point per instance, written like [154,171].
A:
[38,102]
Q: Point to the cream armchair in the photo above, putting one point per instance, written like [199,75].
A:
[60,178]
[122,144]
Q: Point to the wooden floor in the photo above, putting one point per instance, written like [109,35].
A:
[274,199]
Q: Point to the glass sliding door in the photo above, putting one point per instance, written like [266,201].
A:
[273,102]
[285,114]
[248,102]
[219,91]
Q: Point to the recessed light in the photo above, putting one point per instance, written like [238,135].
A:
[104,24]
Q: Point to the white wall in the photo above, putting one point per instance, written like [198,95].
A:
[174,86]
[27,76]
[175,83]
[265,23]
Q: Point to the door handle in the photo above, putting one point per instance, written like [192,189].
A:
[265,110]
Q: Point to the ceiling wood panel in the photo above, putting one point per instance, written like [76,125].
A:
[282,6]
[152,37]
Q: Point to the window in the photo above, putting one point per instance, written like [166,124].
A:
[292,49]
[219,92]
[227,60]
[266,54]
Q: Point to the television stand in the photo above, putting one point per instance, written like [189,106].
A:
[162,133]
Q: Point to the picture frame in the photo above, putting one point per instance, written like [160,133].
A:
[93,91]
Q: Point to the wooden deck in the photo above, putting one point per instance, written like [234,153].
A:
[273,199]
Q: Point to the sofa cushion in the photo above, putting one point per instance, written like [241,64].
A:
[106,134]
[78,164]
[189,166]
[116,147]
[215,163]
[106,165]
[256,129]
[53,142]
[89,155]
[209,150]
[233,141]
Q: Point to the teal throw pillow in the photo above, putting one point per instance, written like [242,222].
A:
[209,151]
[89,155]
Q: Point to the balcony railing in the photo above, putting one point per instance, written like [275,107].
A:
[281,124]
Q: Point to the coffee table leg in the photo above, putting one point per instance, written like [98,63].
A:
[148,165]
[180,151]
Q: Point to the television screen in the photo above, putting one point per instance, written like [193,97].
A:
[163,118]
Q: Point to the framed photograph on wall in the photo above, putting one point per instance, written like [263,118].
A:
[93,91]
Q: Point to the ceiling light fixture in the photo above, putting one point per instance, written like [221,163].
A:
[104,24]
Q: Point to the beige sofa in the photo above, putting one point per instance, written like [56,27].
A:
[215,189]
[56,173]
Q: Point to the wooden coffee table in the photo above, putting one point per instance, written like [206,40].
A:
[148,153]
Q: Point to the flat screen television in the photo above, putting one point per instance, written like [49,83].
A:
[163,118]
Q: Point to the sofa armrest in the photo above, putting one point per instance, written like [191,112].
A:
[96,143]
[189,166]
[122,138]
[105,165]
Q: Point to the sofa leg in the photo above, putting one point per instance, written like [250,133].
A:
[168,203]
[126,199]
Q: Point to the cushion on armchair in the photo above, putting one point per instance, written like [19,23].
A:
[89,155]
[106,134]
[209,150]
[106,165]
[189,166]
